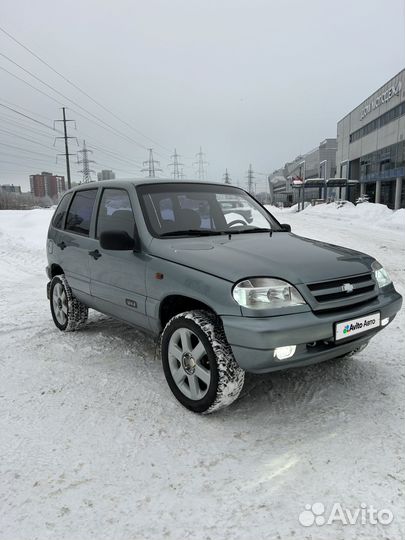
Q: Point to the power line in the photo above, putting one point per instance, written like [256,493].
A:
[71,100]
[31,85]
[131,162]
[26,116]
[78,88]
[25,150]
[8,132]
[25,109]
[15,124]
[115,155]
[60,103]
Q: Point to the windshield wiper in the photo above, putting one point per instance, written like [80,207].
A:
[192,232]
[252,230]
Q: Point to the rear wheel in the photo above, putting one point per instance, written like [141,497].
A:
[68,312]
[198,362]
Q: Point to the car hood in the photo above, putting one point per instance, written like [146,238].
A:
[283,255]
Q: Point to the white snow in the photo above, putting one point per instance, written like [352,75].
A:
[375,215]
[93,445]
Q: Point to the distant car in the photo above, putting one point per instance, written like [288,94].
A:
[224,296]
[236,207]
[315,202]
[363,199]
[342,203]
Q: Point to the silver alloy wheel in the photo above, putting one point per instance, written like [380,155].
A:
[188,363]
[59,302]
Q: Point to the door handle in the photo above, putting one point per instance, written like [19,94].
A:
[95,254]
[62,245]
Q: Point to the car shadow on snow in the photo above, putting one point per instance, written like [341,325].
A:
[337,385]
[334,384]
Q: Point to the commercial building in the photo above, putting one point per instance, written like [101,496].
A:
[47,184]
[317,163]
[105,174]
[371,145]
[10,188]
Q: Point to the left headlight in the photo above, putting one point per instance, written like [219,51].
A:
[266,293]
[381,275]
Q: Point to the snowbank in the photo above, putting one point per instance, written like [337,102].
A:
[26,226]
[375,215]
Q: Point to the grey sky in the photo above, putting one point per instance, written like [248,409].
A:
[250,81]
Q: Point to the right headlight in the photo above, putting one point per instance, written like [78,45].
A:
[266,293]
[381,275]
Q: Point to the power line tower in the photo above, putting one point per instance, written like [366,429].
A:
[85,163]
[200,164]
[66,138]
[176,172]
[250,177]
[227,177]
[151,165]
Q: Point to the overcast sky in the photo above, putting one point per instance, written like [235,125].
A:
[250,81]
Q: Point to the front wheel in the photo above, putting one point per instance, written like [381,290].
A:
[198,362]
[68,312]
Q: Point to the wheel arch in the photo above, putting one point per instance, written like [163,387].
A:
[56,270]
[174,304]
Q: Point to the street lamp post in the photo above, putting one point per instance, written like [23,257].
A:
[325,161]
[303,184]
[345,161]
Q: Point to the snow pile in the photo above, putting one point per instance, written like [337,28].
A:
[27,227]
[374,215]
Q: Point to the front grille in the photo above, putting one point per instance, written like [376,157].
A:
[347,291]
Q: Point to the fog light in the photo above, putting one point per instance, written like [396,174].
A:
[282,353]
[384,322]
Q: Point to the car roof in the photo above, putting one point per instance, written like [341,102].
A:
[147,181]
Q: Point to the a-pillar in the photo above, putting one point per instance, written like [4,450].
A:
[398,193]
[378,191]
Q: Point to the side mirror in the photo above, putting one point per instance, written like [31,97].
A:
[286,227]
[119,241]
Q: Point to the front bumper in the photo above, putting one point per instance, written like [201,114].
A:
[253,339]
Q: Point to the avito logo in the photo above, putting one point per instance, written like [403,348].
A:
[350,327]
[358,325]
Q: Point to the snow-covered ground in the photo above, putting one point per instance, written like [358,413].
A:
[93,445]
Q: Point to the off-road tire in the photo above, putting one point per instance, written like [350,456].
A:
[76,312]
[226,377]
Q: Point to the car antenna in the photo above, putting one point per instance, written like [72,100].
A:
[271,233]
[229,236]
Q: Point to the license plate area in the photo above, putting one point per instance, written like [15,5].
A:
[353,327]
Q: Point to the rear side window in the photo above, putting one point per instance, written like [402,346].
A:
[80,212]
[115,212]
[60,213]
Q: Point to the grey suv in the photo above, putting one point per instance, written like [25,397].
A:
[225,295]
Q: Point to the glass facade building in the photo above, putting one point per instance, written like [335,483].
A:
[371,145]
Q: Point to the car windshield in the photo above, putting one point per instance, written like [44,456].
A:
[195,209]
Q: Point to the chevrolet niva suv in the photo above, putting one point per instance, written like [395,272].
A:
[225,294]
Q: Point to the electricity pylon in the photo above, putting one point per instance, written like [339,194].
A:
[200,165]
[151,165]
[227,177]
[176,173]
[85,163]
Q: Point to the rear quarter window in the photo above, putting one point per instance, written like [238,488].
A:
[58,219]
